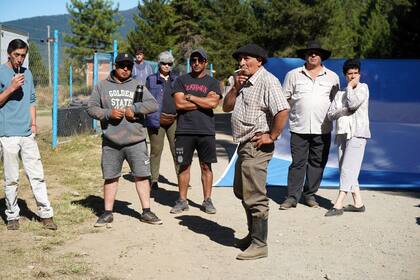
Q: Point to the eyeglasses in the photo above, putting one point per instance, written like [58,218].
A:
[197,59]
[167,63]
[123,66]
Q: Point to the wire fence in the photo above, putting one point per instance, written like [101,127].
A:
[75,81]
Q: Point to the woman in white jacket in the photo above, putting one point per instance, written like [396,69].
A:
[350,109]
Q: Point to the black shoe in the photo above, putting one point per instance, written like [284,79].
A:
[352,208]
[104,220]
[334,212]
[288,203]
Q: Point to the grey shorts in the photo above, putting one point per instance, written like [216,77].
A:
[114,155]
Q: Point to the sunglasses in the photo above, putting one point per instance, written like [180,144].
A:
[123,66]
[167,63]
[197,59]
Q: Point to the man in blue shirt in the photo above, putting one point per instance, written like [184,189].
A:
[17,136]
[141,69]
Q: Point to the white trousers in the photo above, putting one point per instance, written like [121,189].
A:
[350,157]
[25,148]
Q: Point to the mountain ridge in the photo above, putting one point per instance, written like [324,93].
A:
[37,26]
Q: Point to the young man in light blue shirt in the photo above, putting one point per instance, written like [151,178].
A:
[17,136]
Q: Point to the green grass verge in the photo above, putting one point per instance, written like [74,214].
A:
[72,173]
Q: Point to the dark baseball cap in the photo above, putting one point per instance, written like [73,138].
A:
[124,57]
[199,52]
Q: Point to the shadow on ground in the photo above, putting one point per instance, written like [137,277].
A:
[278,194]
[168,197]
[96,204]
[24,210]
[218,233]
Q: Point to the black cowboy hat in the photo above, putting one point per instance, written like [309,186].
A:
[252,50]
[314,46]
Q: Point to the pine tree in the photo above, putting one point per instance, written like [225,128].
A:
[154,28]
[93,24]
[187,30]
[37,66]
[230,26]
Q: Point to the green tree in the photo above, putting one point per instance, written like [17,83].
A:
[283,26]
[230,27]
[406,31]
[188,32]
[154,28]
[37,66]
[93,24]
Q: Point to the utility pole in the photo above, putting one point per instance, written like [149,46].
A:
[49,55]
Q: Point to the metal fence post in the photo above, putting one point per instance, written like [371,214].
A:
[211,69]
[188,65]
[55,92]
[71,82]
[115,50]
[95,79]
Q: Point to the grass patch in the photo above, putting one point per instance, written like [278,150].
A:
[72,174]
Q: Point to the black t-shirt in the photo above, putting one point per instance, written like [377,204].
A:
[200,121]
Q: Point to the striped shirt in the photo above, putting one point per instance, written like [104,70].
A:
[257,103]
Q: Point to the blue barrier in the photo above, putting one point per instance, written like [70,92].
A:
[392,159]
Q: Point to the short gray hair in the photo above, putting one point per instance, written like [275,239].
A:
[166,57]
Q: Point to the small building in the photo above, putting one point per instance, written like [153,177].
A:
[8,34]
[104,67]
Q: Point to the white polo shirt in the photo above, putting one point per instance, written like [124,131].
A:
[310,99]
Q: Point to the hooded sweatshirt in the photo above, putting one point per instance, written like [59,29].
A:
[112,94]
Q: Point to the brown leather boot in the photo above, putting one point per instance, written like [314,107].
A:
[48,223]
[258,248]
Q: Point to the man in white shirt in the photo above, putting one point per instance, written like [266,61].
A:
[309,90]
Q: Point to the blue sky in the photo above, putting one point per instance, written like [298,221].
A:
[18,9]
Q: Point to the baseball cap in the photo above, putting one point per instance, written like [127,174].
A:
[124,57]
[200,52]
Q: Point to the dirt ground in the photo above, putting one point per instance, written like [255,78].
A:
[382,243]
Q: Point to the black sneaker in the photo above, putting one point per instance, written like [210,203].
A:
[150,218]
[104,220]
[13,225]
[208,206]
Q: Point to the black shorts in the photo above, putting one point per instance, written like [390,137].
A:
[186,144]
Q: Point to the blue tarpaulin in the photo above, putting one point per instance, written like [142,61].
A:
[392,157]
